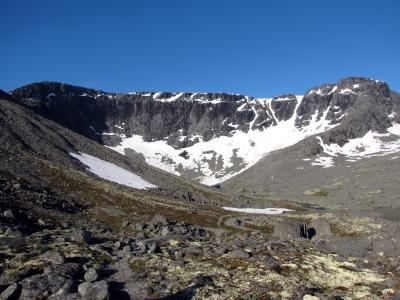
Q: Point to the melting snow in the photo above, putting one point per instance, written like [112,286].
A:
[283,99]
[112,172]
[346,91]
[371,144]
[323,161]
[263,211]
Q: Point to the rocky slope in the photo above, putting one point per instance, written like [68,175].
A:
[213,137]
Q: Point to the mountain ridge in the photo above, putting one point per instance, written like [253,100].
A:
[187,128]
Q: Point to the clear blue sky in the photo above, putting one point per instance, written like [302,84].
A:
[260,48]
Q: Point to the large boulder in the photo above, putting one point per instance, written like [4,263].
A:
[319,229]
[81,236]
[94,291]
[288,230]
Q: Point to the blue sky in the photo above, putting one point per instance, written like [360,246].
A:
[260,48]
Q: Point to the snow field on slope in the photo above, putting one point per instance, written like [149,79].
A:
[262,211]
[370,145]
[112,172]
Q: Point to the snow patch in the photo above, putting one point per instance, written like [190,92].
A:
[112,172]
[323,161]
[346,91]
[50,95]
[370,145]
[263,211]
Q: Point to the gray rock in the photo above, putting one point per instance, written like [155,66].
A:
[234,222]
[166,231]
[139,247]
[10,292]
[42,285]
[69,270]
[8,213]
[82,236]
[319,229]
[53,256]
[154,247]
[41,222]
[91,275]
[125,224]
[127,248]
[220,250]
[16,186]
[288,230]
[160,220]
[140,226]
[239,253]
[178,255]
[117,245]
[94,291]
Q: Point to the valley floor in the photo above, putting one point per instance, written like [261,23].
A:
[54,248]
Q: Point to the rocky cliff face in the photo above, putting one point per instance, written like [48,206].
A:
[214,136]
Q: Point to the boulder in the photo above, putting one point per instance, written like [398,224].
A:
[319,229]
[288,230]
[53,256]
[8,213]
[96,290]
[91,275]
[160,220]
[239,253]
[82,236]
[10,292]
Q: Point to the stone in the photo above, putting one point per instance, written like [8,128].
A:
[139,247]
[91,275]
[166,231]
[69,270]
[117,245]
[127,248]
[391,282]
[288,230]
[53,256]
[10,292]
[16,186]
[81,236]
[8,213]
[178,255]
[96,291]
[239,253]
[160,220]
[154,247]
[140,226]
[220,250]
[319,229]
[42,285]
[41,222]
